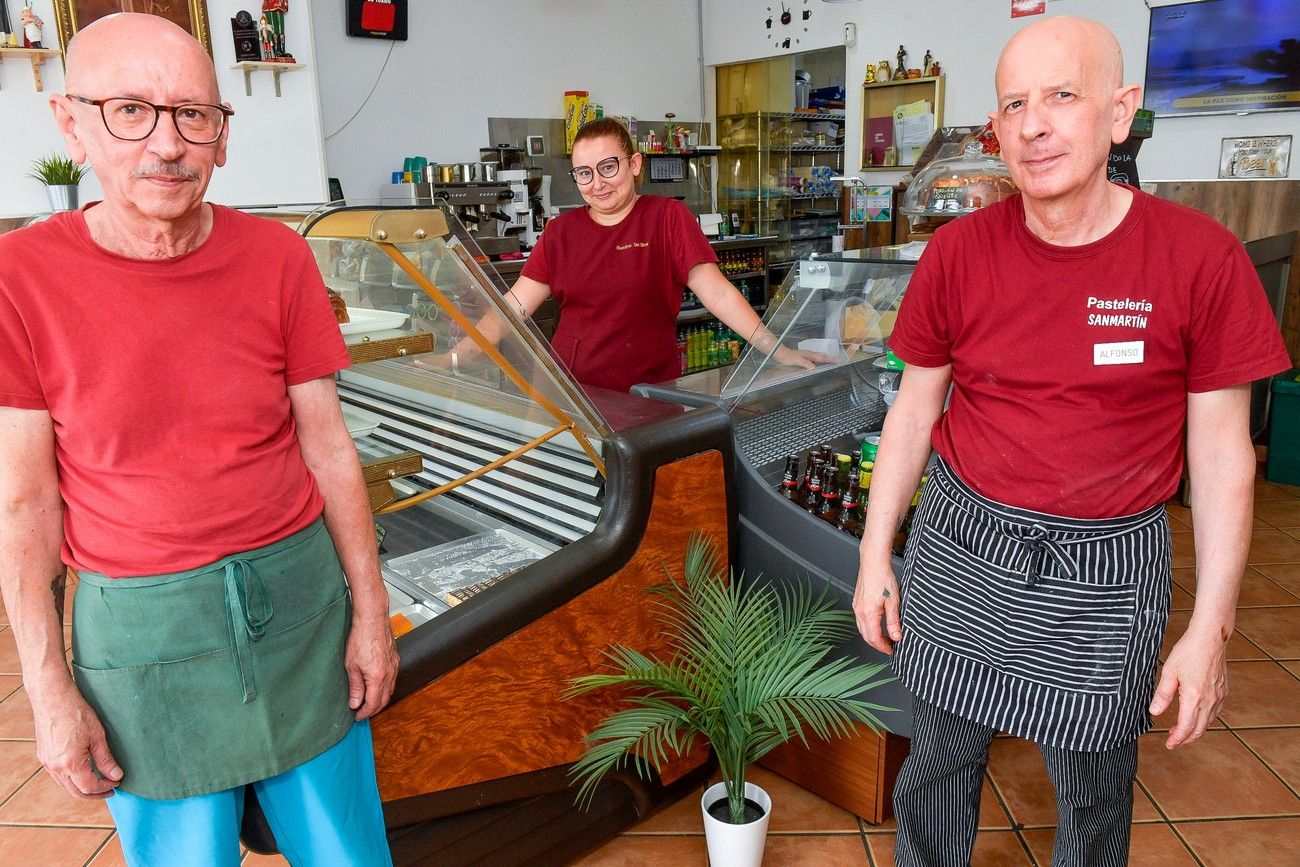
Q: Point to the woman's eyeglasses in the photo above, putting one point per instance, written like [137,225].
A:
[606,168]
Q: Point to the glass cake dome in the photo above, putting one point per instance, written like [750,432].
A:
[958,184]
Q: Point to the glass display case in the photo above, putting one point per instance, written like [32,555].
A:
[521,518]
[775,174]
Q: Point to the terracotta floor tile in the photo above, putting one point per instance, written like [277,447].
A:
[643,852]
[682,817]
[1149,846]
[1285,575]
[8,653]
[1246,843]
[9,683]
[1180,517]
[42,802]
[1256,589]
[1194,783]
[806,850]
[1266,490]
[796,809]
[16,717]
[49,847]
[110,856]
[1280,513]
[1276,631]
[992,849]
[1238,646]
[1272,546]
[17,764]
[1293,667]
[1280,750]
[1184,550]
[1261,694]
[1180,599]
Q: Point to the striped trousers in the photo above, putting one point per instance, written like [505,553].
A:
[937,796]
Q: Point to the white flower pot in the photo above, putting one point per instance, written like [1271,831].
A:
[63,197]
[735,845]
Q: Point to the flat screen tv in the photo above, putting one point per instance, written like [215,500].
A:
[1224,57]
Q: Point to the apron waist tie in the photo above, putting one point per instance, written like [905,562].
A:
[1039,544]
[244,624]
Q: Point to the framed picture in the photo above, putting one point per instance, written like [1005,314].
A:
[1266,156]
[72,15]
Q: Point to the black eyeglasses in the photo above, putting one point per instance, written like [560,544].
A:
[134,119]
[607,168]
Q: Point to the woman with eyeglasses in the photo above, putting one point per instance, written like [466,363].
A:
[618,268]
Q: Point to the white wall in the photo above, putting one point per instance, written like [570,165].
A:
[274,155]
[965,36]
[466,61]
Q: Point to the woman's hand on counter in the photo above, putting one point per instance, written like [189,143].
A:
[805,358]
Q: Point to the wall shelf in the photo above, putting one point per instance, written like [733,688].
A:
[277,69]
[37,56]
[878,103]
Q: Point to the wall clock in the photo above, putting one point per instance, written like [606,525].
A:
[787,22]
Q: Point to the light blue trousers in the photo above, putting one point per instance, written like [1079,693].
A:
[325,812]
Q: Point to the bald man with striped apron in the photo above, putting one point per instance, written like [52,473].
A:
[1084,329]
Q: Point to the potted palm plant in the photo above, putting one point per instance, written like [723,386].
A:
[747,671]
[61,177]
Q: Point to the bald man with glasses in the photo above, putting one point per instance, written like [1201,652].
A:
[169,428]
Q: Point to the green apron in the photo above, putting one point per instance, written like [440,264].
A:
[219,676]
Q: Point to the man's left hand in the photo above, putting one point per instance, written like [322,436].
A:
[371,661]
[1196,672]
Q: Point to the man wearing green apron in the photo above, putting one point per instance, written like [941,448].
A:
[169,428]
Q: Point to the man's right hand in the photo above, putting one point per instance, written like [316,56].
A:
[69,738]
[876,596]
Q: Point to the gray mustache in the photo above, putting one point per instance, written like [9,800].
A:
[167,169]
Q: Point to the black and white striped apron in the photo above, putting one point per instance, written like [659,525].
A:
[1042,626]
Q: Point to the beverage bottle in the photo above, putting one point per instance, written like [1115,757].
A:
[900,538]
[681,351]
[842,472]
[850,519]
[829,507]
[812,497]
[790,480]
[805,482]
[855,469]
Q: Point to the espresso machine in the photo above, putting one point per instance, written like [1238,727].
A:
[529,205]
[482,205]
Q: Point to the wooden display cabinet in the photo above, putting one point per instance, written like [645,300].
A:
[878,103]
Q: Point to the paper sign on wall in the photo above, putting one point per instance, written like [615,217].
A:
[1021,8]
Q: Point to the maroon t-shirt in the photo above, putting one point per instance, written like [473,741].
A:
[1071,365]
[619,289]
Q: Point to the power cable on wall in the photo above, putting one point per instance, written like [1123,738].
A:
[373,88]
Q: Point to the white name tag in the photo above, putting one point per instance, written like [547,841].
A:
[1118,353]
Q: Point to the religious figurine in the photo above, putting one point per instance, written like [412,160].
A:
[901,71]
[267,37]
[927,63]
[274,11]
[33,31]
[882,71]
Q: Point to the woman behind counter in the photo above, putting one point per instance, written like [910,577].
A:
[618,268]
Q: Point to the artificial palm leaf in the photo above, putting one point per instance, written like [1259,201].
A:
[747,671]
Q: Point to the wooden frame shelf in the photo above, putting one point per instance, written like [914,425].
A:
[277,69]
[879,101]
[37,56]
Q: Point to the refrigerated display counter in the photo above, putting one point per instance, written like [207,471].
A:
[522,517]
[842,305]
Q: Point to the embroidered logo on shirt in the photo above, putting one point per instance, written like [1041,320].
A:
[632,244]
[1133,319]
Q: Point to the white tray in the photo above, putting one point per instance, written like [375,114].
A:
[364,320]
[359,422]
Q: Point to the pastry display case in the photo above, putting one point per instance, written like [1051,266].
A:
[843,305]
[521,517]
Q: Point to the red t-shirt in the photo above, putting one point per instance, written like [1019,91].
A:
[619,289]
[1071,365]
[167,384]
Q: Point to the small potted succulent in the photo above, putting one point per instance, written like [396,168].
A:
[61,176]
[747,671]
